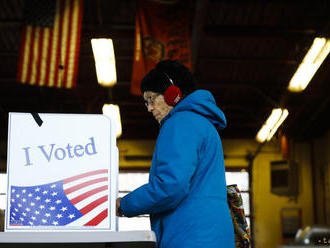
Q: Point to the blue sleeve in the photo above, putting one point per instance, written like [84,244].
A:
[175,161]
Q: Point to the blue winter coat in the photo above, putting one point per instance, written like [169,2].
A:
[186,194]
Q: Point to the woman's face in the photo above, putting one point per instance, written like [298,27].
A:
[156,104]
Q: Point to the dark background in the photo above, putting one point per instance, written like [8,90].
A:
[244,52]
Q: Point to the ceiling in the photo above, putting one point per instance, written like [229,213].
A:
[244,52]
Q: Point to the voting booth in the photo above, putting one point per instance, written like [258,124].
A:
[62,180]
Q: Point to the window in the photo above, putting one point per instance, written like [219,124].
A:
[128,181]
[3,190]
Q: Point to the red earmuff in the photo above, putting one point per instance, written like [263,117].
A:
[172,95]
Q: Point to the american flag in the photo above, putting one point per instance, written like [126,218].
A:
[81,200]
[50,43]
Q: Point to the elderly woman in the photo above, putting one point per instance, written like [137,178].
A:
[186,194]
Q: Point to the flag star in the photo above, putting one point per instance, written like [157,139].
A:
[13,191]
[32,204]
[52,208]
[47,214]
[30,195]
[37,198]
[59,216]
[19,204]
[12,200]
[63,209]
[22,219]
[31,223]
[13,214]
[53,186]
[37,212]
[23,200]
[17,195]
[44,221]
[54,193]
[33,218]
[58,201]
[37,190]
[24,214]
[12,218]
[41,206]
[16,209]
[28,209]
[71,216]
[45,192]
[55,223]
[23,191]
[47,200]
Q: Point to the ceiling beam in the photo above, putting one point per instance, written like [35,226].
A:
[256,31]
[83,56]
[268,60]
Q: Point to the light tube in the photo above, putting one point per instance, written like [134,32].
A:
[105,64]
[273,122]
[113,111]
[310,64]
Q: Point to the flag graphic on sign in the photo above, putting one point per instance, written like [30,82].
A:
[81,200]
[50,43]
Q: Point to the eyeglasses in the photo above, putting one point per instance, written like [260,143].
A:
[150,100]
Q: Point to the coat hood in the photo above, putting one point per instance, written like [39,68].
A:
[203,103]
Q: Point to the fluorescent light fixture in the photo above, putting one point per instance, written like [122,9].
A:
[310,64]
[104,61]
[113,111]
[273,122]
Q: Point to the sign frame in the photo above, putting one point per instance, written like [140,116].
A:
[98,151]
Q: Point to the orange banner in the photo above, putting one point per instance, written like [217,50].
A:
[162,31]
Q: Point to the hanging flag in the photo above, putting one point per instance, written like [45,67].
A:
[50,43]
[162,31]
[78,200]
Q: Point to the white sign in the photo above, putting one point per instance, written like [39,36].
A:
[62,175]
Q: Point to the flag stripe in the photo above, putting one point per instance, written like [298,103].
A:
[92,214]
[82,185]
[88,194]
[93,204]
[70,179]
[80,191]
[59,49]
[54,52]
[48,56]
[79,6]
[43,58]
[98,219]
[64,36]
[26,54]
[35,51]
[30,57]
[68,41]
[90,199]
[72,49]
[40,41]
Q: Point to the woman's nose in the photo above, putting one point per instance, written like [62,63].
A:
[150,107]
